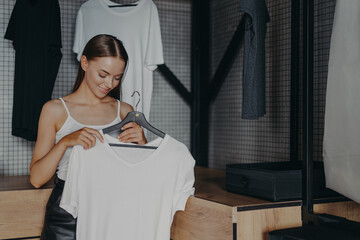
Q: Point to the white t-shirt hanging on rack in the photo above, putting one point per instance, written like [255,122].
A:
[138,27]
[128,193]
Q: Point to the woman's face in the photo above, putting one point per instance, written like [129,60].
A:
[102,74]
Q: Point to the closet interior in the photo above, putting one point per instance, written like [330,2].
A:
[198,99]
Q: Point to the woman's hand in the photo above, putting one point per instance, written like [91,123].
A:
[132,133]
[84,136]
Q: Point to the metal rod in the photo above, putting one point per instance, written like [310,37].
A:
[294,98]
[200,74]
[227,60]
[175,82]
[307,143]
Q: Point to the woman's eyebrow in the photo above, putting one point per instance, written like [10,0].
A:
[109,73]
[104,71]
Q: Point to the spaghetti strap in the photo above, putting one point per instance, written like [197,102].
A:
[67,110]
[118,113]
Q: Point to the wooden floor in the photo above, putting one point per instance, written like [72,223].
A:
[211,214]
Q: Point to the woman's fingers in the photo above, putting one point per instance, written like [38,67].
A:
[131,131]
[95,132]
[84,143]
[132,135]
[89,138]
[84,136]
[131,139]
[130,125]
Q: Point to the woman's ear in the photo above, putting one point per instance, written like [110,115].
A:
[84,63]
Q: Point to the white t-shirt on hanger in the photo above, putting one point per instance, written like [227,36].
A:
[128,193]
[138,27]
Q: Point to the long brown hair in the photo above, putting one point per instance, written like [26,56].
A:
[103,45]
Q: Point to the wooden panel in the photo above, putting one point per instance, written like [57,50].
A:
[22,212]
[202,220]
[209,214]
[11,183]
[349,209]
[256,224]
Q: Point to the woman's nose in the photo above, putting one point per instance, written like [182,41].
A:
[108,82]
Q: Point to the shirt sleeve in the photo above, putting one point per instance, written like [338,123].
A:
[70,196]
[10,33]
[79,35]
[185,184]
[154,50]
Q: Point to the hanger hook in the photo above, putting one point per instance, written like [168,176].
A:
[138,101]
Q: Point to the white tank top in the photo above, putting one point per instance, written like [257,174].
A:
[71,125]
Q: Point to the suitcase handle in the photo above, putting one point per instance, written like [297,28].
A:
[244,182]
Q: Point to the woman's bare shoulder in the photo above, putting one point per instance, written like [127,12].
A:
[53,111]
[53,107]
[125,108]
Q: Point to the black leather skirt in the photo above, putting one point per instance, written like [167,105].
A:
[58,223]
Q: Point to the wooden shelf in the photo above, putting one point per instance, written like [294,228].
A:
[211,214]
[210,185]
[13,183]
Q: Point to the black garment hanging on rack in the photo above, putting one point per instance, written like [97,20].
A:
[34,28]
[256,16]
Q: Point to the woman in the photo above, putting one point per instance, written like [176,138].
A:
[75,119]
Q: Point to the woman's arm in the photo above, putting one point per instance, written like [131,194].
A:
[47,154]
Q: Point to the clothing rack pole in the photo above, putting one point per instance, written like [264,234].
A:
[200,75]
[307,212]
[175,83]
[294,97]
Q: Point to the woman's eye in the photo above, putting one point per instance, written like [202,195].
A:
[101,76]
[118,79]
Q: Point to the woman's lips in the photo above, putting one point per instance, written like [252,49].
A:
[104,90]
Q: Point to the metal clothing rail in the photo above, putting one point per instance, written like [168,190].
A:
[307,140]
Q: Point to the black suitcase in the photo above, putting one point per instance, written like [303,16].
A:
[275,181]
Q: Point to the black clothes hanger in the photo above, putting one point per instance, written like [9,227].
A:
[123,5]
[140,119]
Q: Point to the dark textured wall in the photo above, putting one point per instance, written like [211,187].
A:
[168,111]
[231,139]
[235,140]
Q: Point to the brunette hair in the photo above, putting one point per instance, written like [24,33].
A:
[103,45]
